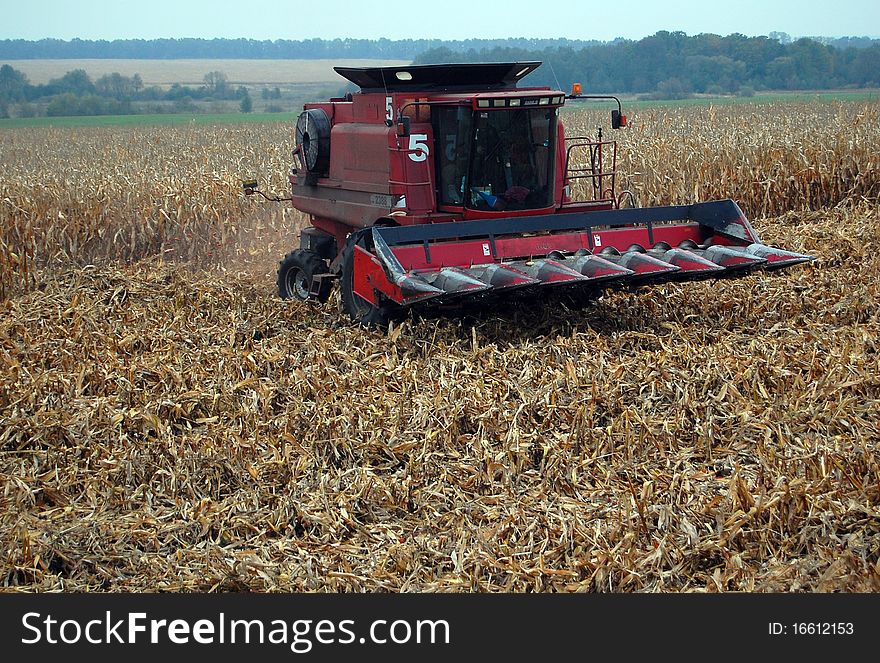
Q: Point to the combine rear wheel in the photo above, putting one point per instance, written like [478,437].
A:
[295,274]
[358,308]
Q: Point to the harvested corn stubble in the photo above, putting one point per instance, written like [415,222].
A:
[168,424]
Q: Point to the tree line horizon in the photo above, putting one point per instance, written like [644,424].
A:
[666,65]
[319,49]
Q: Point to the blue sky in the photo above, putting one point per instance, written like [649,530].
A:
[442,19]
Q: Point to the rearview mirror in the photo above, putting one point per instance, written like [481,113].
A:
[403,126]
[618,119]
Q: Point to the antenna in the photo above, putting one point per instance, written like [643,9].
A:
[558,86]
[388,120]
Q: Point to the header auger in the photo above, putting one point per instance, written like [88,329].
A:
[440,184]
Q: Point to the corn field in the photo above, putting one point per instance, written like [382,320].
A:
[168,424]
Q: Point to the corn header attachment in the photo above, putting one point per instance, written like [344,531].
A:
[440,263]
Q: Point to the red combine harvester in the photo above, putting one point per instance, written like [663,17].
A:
[444,183]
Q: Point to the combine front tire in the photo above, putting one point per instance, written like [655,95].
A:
[295,275]
[359,309]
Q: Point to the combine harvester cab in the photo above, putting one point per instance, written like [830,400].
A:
[442,184]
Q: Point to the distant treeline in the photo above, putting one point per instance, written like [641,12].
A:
[674,65]
[667,65]
[252,49]
[76,93]
[311,49]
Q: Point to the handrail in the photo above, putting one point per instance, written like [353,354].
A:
[595,171]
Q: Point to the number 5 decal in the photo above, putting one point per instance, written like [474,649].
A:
[418,147]
[389,111]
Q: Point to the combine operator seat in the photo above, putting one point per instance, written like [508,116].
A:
[511,164]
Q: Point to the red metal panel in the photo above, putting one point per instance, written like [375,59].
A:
[541,245]
[368,276]
[477,252]
[476,214]
[354,214]
[450,254]
[625,237]
[368,108]
[415,168]
[359,154]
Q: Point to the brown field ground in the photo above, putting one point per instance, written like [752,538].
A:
[168,424]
